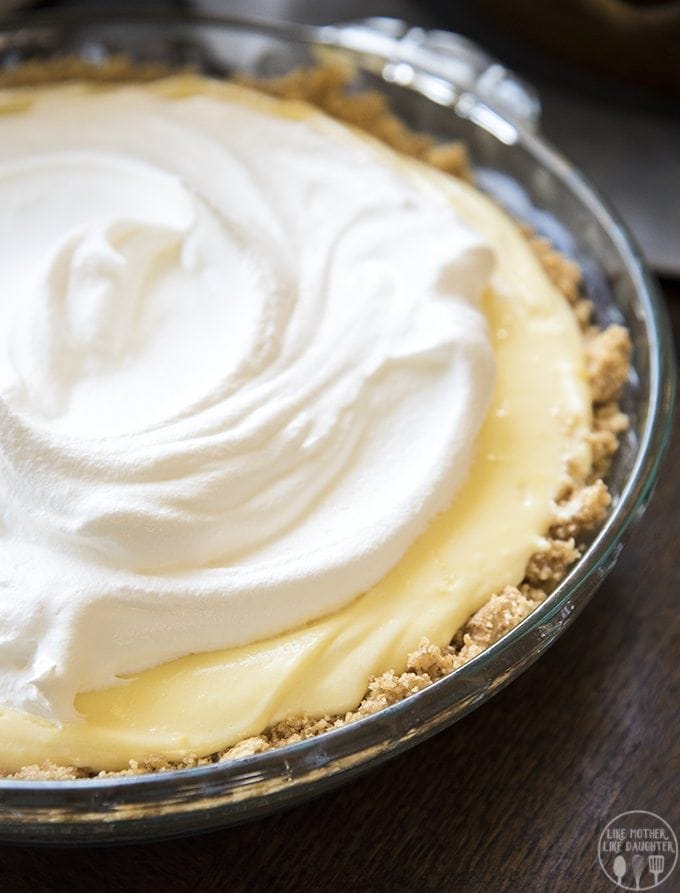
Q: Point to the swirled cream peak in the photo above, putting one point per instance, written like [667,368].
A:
[242,365]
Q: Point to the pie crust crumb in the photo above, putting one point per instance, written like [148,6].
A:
[608,357]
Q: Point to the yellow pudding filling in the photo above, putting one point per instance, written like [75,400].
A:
[540,418]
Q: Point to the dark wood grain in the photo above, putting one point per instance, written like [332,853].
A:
[511,798]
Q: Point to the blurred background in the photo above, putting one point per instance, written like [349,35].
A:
[607,71]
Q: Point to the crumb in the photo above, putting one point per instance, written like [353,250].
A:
[608,361]
[608,424]
[46,772]
[581,512]
[562,272]
[549,564]
[499,615]
[246,748]
[583,310]
[451,158]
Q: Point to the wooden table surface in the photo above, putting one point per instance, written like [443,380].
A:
[513,797]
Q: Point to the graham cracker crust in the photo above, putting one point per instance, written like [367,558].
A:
[580,505]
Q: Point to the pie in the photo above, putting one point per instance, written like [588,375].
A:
[295,420]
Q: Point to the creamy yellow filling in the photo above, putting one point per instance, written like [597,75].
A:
[540,413]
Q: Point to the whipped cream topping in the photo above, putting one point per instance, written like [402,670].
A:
[242,366]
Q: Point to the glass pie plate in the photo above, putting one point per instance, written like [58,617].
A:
[442,84]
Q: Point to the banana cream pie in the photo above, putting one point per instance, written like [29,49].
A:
[291,421]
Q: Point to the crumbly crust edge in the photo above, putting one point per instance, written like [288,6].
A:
[580,505]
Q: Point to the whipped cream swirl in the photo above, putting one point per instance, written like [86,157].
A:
[242,365]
